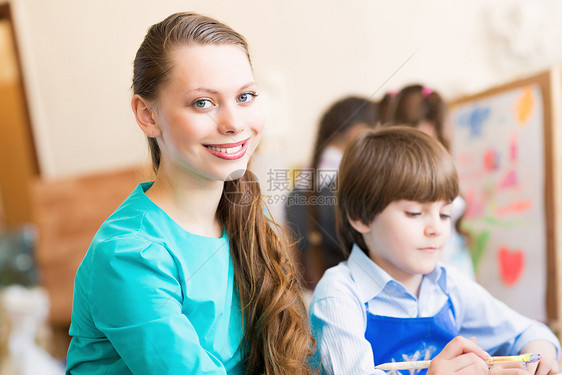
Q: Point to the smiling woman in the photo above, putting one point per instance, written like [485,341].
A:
[205,110]
[189,275]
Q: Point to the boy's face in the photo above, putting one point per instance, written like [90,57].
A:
[406,238]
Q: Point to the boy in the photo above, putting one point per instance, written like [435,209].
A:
[391,300]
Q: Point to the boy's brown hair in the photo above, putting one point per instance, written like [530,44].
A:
[387,165]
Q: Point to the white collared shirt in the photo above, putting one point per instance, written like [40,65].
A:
[338,314]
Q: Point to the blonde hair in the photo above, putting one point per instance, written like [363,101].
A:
[386,165]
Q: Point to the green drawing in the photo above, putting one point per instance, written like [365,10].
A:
[478,246]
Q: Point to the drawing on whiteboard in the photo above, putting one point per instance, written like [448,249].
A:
[511,263]
[475,120]
[524,106]
[498,145]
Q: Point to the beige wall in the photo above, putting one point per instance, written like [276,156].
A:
[77,58]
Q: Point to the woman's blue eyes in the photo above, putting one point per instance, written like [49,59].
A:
[202,103]
[246,97]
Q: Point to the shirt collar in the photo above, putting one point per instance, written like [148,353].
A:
[368,276]
[371,279]
[439,276]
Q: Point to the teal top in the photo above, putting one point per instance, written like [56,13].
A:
[151,298]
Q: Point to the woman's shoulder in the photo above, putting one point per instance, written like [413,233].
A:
[126,221]
[139,228]
[127,225]
[137,218]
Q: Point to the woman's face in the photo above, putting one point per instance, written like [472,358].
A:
[208,115]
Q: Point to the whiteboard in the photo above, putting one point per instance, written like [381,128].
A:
[498,146]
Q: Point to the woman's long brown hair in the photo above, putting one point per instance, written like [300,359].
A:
[276,334]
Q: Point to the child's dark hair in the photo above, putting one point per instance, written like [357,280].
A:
[382,106]
[337,121]
[386,165]
[341,117]
[414,104]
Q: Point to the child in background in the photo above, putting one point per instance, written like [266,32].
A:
[188,275]
[421,107]
[392,300]
[382,105]
[314,223]
[424,109]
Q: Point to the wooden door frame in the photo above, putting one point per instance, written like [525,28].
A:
[6,14]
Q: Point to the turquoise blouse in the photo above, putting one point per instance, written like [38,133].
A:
[151,298]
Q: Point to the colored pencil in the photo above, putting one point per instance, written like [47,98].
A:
[527,358]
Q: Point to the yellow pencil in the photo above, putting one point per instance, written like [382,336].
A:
[527,358]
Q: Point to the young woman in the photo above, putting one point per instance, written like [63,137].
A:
[188,275]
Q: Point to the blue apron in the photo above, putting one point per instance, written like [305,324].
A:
[410,339]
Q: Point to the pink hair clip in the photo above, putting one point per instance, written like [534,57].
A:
[426,91]
[392,94]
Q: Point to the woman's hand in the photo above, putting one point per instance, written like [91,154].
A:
[460,357]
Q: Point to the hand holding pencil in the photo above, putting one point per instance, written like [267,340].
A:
[464,357]
[522,358]
[460,356]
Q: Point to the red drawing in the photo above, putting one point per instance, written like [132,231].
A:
[519,207]
[475,205]
[513,146]
[509,180]
[512,263]
[491,160]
